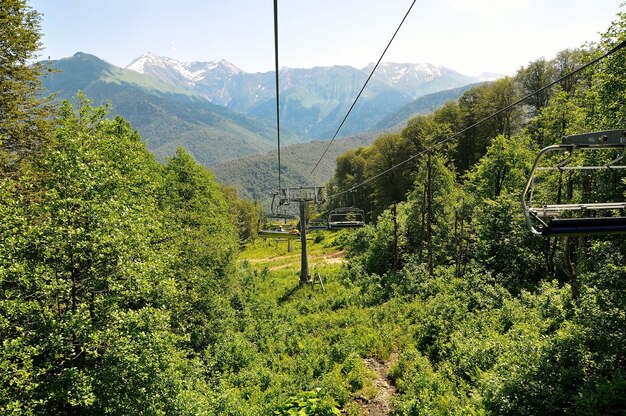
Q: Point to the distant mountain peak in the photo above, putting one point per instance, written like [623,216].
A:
[175,71]
[407,72]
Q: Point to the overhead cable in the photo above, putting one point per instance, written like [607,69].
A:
[277,89]
[359,95]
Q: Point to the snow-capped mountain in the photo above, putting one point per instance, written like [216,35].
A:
[222,82]
[189,73]
[314,99]
[395,73]
[417,80]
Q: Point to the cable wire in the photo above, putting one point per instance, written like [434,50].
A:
[508,107]
[277,89]
[360,92]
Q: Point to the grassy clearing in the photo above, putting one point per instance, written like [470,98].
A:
[307,338]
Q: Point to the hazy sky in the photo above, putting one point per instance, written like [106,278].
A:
[470,36]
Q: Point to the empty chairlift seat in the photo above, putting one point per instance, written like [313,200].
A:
[346,218]
[577,187]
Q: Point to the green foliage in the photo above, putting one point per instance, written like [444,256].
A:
[93,243]
[245,213]
[501,324]
[24,125]
[307,403]
[256,176]
[119,292]
[430,393]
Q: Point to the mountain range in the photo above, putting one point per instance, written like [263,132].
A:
[219,112]
[313,100]
[166,116]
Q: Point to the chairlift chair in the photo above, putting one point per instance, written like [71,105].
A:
[574,217]
[278,213]
[346,217]
[280,234]
[318,224]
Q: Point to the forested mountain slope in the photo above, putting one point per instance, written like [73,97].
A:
[421,105]
[224,113]
[165,116]
[256,176]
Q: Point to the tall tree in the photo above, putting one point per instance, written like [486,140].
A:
[389,188]
[24,121]
[533,77]
[477,104]
[565,62]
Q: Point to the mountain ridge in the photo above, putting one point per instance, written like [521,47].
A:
[389,73]
[166,116]
[170,109]
[313,100]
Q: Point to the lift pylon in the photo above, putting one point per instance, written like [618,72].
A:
[302,196]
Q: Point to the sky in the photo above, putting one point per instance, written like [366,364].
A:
[469,36]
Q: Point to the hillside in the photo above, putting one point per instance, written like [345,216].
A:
[256,176]
[314,101]
[219,113]
[166,116]
[421,105]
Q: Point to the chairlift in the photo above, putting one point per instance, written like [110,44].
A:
[590,159]
[318,224]
[278,231]
[278,211]
[346,217]
[312,194]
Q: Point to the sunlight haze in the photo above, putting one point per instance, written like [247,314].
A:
[470,36]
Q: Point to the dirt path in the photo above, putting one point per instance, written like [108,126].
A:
[380,405]
[292,259]
[274,258]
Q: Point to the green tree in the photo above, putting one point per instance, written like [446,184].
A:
[245,213]
[559,118]
[532,78]
[606,98]
[504,244]
[567,61]
[477,104]
[86,281]
[203,241]
[391,187]
[350,170]
[436,219]
[24,125]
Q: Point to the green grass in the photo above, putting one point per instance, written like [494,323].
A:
[307,338]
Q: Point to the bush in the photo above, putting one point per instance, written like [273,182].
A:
[308,403]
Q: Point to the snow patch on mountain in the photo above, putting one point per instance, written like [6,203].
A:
[189,72]
[399,73]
